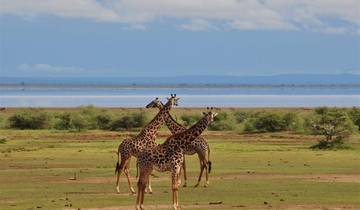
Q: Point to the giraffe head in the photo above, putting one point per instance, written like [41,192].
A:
[156,103]
[210,114]
[173,100]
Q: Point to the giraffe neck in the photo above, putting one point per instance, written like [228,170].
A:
[195,131]
[171,123]
[157,121]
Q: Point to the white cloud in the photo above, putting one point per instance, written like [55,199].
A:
[327,16]
[198,25]
[89,9]
[48,69]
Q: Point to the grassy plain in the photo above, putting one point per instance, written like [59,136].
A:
[250,171]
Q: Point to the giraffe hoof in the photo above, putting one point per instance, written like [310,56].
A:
[197,185]
[132,191]
[117,190]
[185,185]
[205,185]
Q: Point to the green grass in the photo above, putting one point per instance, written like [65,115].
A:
[280,170]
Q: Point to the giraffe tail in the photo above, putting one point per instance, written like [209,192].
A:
[209,162]
[117,167]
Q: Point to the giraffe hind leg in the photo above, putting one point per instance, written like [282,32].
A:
[127,173]
[121,167]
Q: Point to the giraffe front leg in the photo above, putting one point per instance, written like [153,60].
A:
[205,164]
[175,188]
[149,185]
[144,173]
[200,175]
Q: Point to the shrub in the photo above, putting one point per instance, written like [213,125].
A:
[222,122]
[354,115]
[128,122]
[292,121]
[265,122]
[103,120]
[190,120]
[240,117]
[71,121]
[79,122]
[30,119]
[90,113]
[338,143]
[333,123]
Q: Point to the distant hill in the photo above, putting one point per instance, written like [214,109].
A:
[284,79]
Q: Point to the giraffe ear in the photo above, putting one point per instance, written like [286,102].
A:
[156,98]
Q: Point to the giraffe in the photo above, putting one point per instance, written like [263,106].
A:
[199,145]
[132,146]
[169,156]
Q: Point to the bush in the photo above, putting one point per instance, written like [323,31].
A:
[335,144]
[90,113]
[128,122]
[30,119]
[103,120]
[222,122]
[190,120]
[79,122]
[334,124]
[354,115]
[71,121]
[292,121]
[265,122]
[240,117]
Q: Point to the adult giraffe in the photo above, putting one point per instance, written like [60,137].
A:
[199,145]
[145,139]
[169,157]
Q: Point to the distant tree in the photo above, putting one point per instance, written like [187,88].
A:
[71,121]
[190,120]
[334,124]
[128,122]
[354,115]
[241,116]
[265,122]
[30,119]
[222,122]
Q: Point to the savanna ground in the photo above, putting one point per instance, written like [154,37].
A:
[250,171]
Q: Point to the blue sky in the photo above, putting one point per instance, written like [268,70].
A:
[188,37]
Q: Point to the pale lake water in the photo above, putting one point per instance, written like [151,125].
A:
[189,97]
